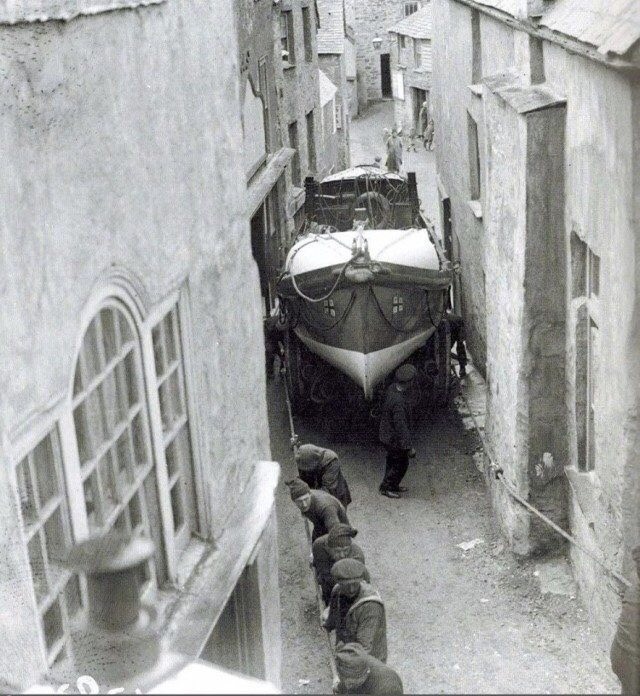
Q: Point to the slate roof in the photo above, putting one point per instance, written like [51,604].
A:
[611,26]
[331,30]
[417,25]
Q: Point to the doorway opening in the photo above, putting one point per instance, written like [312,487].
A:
[385,75]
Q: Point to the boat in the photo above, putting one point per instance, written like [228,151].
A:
[364,288]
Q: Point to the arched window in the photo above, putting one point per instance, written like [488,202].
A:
[110,416]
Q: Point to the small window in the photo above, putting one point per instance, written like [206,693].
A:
[337,117]
[306,29]
[475,181]
[287,44]
[410,8]
[586,340]
[417,53]
[46,524]
[295,161]
[329,308]
[398,304]
[176,438]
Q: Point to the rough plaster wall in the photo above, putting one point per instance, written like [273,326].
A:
[373,19]
[334,68]
[507,407]
[299,92]
[451,98]
[601,120]
[120,147]
[544,323]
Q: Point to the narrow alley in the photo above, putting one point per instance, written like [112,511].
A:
[458,621]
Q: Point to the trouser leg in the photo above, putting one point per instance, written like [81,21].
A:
[387,481]
[401,466]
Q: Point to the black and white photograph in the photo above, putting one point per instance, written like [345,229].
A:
[320,347]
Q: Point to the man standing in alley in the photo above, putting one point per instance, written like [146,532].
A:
[625,650]
[319,507]
[394,432]
[331,548]
[355,610]
[361,673]
[429,132]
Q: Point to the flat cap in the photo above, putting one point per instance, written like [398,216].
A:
[298,488]
[347,569]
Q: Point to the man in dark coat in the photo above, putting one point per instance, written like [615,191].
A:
[395,433]
[355,610]
[361,673]
[456,324]
[329,549]
[625,650]
[320,469]
[319,507]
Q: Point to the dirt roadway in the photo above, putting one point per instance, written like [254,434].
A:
[458,622]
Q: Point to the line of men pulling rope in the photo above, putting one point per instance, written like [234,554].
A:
[353,607]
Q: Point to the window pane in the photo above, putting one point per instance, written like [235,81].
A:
[73,597]
[92,502]
[122,391]
[109,337]
[131,375]
[135,512]
[53,627]
[26,492]
[177,506]
[91,351]
[95,419]
[56,542]
[108,483]
[169,337]
[123,455]
[158,356]
[110,405]
[139,441]
[170,402]
[81,422]
[36,561]
[45,470]
[125,329]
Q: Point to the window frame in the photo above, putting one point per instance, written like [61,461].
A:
[417,54]
[307,37]
[287,37]
[410,7]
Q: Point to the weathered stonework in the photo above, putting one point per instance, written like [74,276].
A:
[543,168]
[121,134]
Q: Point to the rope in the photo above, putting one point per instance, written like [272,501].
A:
[499,474]
[307,529]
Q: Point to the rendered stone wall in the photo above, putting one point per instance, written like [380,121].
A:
[334,68]
[120,138]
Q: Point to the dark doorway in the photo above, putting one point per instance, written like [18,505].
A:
[419,98]
[451,249]
[236,641]
[385,74]
[259,232]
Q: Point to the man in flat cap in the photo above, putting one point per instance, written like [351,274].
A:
[329,549]
[395,432]
[319,507]
[361,673]
[355,610]
[319,468]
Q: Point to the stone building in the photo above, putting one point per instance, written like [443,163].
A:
[336,51]
[371,20]
[330,135]
[537,106]
[411,66]
[298,88]
[265,158]
[130,383]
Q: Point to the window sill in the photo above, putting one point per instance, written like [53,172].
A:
[476,208]
[476,89]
